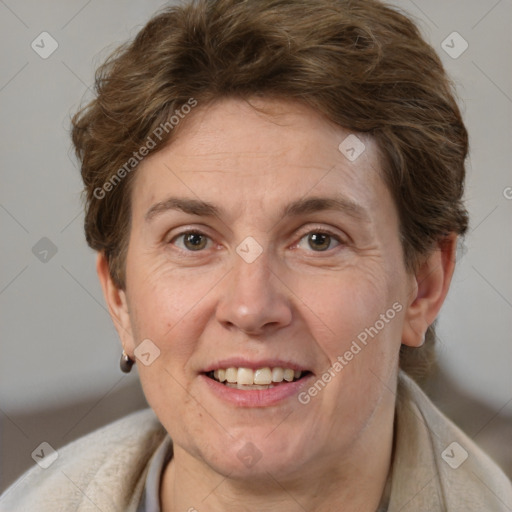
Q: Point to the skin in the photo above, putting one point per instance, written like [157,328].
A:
[294,302]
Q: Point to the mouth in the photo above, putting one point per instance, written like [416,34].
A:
[267,377]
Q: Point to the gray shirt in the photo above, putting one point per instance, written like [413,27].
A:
[150,501]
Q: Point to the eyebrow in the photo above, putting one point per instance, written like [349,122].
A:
[294,209]
[316,204]
[191,206]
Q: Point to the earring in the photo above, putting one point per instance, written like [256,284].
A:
[126,362]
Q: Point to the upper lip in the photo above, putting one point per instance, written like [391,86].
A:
[241,362]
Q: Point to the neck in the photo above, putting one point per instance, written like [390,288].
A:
[347,482]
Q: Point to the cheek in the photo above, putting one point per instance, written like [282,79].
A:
[171,307]
[362,314]
[342,306]
[163,297]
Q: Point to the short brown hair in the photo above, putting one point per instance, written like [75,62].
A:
[361,63]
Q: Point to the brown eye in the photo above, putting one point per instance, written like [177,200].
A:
[320,241]
[193,241]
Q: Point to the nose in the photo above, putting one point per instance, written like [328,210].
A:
[254,299]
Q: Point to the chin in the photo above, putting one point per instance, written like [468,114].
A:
[258,454]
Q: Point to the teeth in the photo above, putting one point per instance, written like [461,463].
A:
[231,374]
[277,374]
[260,377]
[288,374]
[241,386]
[245,376]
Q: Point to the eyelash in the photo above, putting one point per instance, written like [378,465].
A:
[320,231]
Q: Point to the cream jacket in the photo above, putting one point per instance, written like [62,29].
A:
[436,467]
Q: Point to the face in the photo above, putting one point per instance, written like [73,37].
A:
[292,270]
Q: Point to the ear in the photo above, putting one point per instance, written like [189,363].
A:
[117,304]
[430,287]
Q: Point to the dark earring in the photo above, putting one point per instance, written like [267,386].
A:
[126,362]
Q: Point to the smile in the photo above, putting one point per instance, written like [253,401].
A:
[260,378]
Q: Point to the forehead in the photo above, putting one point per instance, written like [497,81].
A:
[260,155]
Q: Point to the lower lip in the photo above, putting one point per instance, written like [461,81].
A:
[256,397]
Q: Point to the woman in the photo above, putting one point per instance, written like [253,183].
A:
[274,189]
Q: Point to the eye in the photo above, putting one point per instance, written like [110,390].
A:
[193,241]
[320,240]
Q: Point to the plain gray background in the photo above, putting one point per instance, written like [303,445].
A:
[59,356]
